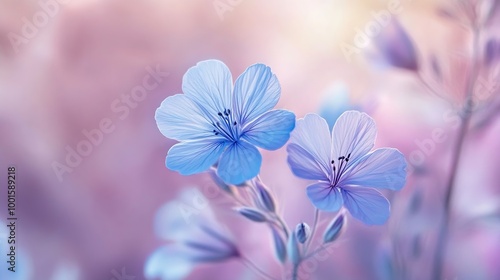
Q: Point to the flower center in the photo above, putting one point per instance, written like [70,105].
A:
[338,168]
[226,126]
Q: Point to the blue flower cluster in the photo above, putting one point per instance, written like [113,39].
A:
[220,128]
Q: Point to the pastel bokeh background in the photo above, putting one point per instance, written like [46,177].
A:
[80,66]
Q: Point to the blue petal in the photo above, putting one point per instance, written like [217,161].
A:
[367,205]
[382,168]
[180,119]
[209,84]
[310,148]
[354,133]
[325,197]
[271,130]
[240,162]
[256,91]
[168,263]
[304,165]
[193,157]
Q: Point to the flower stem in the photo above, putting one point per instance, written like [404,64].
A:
[295,272]
[441,245]
[313,231]
[252,266]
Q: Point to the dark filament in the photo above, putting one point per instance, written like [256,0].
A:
[224,126]
[341,167]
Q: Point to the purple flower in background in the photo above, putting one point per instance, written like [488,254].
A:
[215,123]
[196,235]
[395,47]
[344,166]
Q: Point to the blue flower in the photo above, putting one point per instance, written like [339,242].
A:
[215,123]
[195,235]
[344,166]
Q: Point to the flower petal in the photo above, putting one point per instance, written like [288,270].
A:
[324,197]
[256,91]
[304,165]
[271,130]
[354,133]
[382,168]
[367,205]
[209,84]
[240,162]
[309,151]
[168,262]
[196,156]
[180,119]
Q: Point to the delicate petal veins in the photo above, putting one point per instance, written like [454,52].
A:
[367,205]
[325,197]
[304,165]
[240,162]
[310,148]
[271,130]
[209,84]
[193,157]
[354,133]
[180,119]
[382,168]
[256,91]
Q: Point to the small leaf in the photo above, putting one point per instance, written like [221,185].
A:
[252,214]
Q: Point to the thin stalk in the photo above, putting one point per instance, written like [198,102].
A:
[313,231]
[252,266]
[295,272]
[441,246]
[281,223]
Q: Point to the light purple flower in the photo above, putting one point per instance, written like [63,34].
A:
[346,169]
[195,237]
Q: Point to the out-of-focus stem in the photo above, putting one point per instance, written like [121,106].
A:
[295,271]
[441,245]
[252,266]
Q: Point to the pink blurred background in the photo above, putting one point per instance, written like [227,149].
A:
[99,218]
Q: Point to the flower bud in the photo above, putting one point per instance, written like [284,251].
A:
[279,246]
[265,198]
[252,214]
[396,48]
[303,231]
[333,230]
[218,181]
